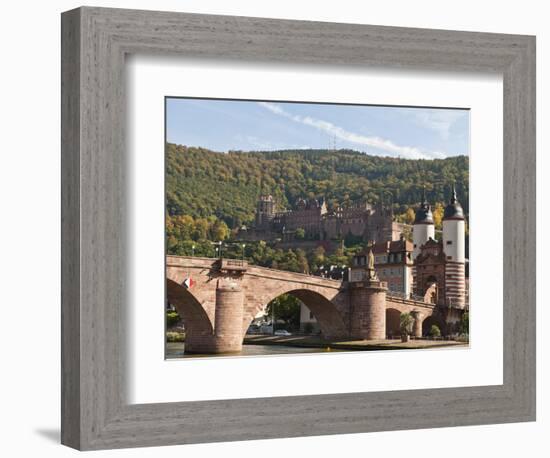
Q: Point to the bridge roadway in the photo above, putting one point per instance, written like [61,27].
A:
[224,295]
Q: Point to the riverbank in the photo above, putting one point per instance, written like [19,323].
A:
[176,350]
[258,345]
[353,345]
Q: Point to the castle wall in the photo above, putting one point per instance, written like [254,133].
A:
[360,221]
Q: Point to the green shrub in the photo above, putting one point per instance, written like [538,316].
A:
[172,318]
[175,337]
[434,331]
[406,323]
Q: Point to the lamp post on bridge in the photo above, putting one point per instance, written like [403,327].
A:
[243,246]
[193,250]
[218,248]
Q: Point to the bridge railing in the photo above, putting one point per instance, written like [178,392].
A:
[420,303]
[402,295]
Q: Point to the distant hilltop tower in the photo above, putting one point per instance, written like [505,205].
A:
[423,226]
[265,211]
[453,247]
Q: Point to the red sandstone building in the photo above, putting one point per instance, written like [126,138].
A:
[363,221]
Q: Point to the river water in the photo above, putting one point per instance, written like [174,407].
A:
[175,350]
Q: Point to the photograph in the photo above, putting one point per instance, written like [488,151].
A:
[307,227]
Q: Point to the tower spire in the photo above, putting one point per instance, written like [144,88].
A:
[453,194]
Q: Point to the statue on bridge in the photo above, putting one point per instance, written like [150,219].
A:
[371,273]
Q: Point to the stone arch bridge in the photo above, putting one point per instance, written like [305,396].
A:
[219,298]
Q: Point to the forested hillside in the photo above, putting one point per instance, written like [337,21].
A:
[210,195]
[203,183]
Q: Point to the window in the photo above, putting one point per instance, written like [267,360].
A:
[449,242]
[310,315]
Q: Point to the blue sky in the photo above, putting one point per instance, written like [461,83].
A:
[410,133]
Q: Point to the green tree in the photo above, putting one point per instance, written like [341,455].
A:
[406,323]
[409,216]
[438,215]
[172,319]
[435,331]
[302,261]
[200,231]
[286,308]
[219,230]
[465,323]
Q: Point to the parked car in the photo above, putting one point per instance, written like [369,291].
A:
[282,332]
[254,330]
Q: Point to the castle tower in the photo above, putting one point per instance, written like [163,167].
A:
[265,211]
[453,247]
[423,226]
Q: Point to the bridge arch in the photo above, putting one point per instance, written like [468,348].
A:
[197,323]
[431,320]
[331,322]
[393,322]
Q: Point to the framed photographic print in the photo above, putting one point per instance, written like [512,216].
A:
[337,216]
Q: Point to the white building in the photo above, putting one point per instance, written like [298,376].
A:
[454,249]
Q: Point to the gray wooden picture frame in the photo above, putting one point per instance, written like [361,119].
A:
[95,41]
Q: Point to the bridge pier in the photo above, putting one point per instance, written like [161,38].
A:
[228,323]
[417,325]
[368,305]
[228,328]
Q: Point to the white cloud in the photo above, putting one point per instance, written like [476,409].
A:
[438,120]
[409,152]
